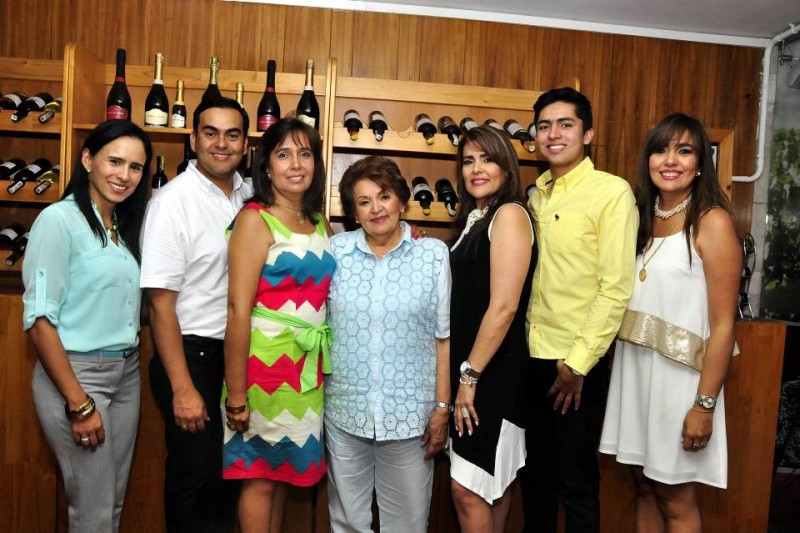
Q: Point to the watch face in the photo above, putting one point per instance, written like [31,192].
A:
[464,366]
[707,401]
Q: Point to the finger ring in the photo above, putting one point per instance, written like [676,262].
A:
[84,439]
[184,427]
[697,445]
[231,425]
[464,412]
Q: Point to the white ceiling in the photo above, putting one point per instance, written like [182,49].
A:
[743,18]
[741,22]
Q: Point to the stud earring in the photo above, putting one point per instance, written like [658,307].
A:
[698,173]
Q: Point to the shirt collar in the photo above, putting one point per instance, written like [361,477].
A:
[206,184]
[571,178]
[359,241]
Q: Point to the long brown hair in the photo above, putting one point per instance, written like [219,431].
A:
[497,146]
[706,192]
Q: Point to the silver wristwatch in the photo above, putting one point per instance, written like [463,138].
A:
[707,402]
[467,370]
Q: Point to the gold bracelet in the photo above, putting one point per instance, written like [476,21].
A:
[693,408]
[235,410]
[81,413]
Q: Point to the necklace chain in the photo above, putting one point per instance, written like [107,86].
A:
[674,211]
[645,260]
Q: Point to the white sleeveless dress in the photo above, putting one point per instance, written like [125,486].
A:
[650,393]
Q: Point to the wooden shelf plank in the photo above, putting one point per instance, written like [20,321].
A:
[413,212]
[409,141]
[29,124]
[252,134]
[26,194]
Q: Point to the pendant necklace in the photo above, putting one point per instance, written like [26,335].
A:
[114,227]
[645,259]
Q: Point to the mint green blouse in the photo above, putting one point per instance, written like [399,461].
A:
[89,292]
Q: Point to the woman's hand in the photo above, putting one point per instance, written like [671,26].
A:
[435,436]
[89,432]
[237,421]
[697,429]
[465,413]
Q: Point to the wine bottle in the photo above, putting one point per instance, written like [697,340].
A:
[50,110]
[179,108]
[29,173]
[421,192]
[240,94]
[160,177]
[426,127]
[467,123]
[10,101]
[447,195]
[307,107]
[212,91]
[188,154]
[516,131]
[449,128]
[17,248]
[118,102]
[34,103]
[10,167]
[248,173]
[9,234]
[47,179]
[352,121]
[532,130]
[377,123]
[494,124]
[156,105]
[269,110]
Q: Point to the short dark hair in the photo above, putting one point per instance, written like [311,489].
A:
[130,212]
[222,103]
[583,107]
[272,138]
[381,170]
[497,146]
[706,191]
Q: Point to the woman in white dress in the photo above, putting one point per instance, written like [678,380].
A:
[666,412]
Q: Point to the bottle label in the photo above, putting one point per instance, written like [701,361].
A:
[43,186]
[8,164]
[468,125]
[14,187]
[178,121]
[156,118]
[513,128]
[353,115]
[115,112]
[35,169]
[424,120]
[265,121]
[311,121]
[10,233]
[419,188]
[38,101]
[376,116]
[14,98]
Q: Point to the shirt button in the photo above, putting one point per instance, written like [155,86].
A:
[202,353]
[130,324]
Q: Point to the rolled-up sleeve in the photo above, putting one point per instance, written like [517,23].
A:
[45,269]
[444,286]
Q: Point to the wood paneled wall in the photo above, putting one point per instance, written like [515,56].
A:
[632,81]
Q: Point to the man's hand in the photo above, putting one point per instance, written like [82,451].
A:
[190,410]
[566,388]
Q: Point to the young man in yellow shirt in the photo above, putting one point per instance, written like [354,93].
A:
[586,222]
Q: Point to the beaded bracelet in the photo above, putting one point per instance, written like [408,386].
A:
[467,380]
[693,408]
[81,413]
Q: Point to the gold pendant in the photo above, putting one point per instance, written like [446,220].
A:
[642,274]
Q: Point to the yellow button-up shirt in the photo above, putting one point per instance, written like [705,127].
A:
[586,230]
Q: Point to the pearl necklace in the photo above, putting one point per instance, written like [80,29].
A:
[474,216]
[674,211]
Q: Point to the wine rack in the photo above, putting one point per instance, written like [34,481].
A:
[97,77]
[400,102]
[29,140]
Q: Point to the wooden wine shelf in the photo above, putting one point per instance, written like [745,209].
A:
[16,267]
[155,132]
[26,194]
[29,124]
[413,212]
[410,141]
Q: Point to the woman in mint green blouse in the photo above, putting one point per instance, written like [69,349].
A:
[81,309]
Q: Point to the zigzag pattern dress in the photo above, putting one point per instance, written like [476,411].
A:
[284,441]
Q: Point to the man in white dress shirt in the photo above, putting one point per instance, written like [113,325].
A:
[185,274]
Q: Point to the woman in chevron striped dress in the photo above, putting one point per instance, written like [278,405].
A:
[277,338]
